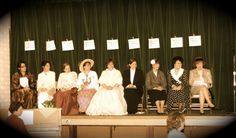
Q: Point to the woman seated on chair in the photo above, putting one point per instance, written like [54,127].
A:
[66,95]
[87,84]
[178,84]
[109,99]
[23,86]
[133,81]
[200,80]
[156,85]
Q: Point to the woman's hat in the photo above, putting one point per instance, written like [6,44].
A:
[155,61]
[81,68]
[197,59]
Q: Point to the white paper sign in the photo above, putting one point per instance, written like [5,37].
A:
[67,45]
[194,40]
[176,42]
[89,45]
[153,43]
[29,45]
[50,45]
[134,43]
[112,44]
[24,82]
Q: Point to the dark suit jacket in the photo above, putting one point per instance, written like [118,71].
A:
[138,80]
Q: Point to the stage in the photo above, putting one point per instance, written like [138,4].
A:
[147,125]
[49,123]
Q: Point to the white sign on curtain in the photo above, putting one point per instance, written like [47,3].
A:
[89,45]
[29,45]
[50,45]
[67,45]
[176,42]
[194,40]
[112,44]
[153,43]
[134,43]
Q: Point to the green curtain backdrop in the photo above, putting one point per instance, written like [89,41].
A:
[100,20]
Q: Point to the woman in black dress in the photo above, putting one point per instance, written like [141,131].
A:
[177,85]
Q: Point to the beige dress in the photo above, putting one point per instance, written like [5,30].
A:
[200,80]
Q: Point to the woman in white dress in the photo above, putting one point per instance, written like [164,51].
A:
[46,84]
[87,84]
[109,99]
[66,96]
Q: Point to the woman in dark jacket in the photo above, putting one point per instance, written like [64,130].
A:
[133,81]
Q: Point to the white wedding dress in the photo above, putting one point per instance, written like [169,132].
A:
[108,102]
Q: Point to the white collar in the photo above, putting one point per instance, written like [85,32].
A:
[178,75]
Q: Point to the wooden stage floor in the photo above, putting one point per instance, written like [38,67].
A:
[217,118]
[147,125]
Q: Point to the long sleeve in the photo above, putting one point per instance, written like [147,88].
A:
[94,80]
[141,80]
[46,80]
[126,78]
[163,80]
[32,81]
[191,78]
[15,85]
[148,81]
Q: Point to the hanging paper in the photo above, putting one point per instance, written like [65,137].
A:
[134,43]
[194,40]
[67,45]
[50,45]
[153,43]
[112,44]
[176,42]
[29,45]
[89,45]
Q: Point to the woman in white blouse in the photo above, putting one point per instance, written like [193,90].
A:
[200,80]
[87,84]
[45,84]
[66,96]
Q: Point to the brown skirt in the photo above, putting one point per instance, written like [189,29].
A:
[67,100]
[24,96]
[84,98]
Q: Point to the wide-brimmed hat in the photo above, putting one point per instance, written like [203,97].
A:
[81,68]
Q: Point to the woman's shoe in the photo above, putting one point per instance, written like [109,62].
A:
[212,106]
[202,113]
